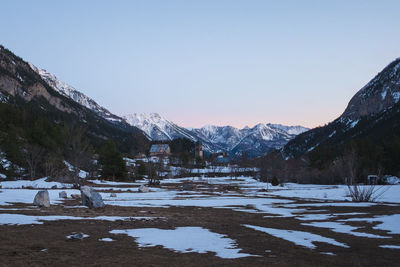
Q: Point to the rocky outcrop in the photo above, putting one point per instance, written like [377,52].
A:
[17,78]
[42,199]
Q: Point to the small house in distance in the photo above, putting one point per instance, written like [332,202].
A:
[160,150]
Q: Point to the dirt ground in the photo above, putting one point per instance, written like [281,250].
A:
[46,244]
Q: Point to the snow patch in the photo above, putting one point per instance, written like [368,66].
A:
[390,246]
[21,219]
[106,239]
[388,223]
[186,240]
[342,228]
[40,183]
[299,238]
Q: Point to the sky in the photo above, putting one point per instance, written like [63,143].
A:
[218,62]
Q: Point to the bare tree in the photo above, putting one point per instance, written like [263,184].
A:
[350,166]
[33,155]
[51,166]
[152,173]
[77,151]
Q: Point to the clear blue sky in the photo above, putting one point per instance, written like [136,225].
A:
[210,62]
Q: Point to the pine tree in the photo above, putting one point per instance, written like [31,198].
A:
[112,163]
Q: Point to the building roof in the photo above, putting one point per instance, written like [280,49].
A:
[159,148]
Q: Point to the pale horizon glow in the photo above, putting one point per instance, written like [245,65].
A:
[208,62]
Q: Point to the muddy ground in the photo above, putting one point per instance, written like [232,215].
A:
[46,244]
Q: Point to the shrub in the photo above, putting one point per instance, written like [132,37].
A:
[275,181]
[365,193]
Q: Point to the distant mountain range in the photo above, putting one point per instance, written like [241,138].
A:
[251,142]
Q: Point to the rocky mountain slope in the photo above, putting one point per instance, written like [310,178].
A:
[70,92]
[380,93]
[369,114]
[21,84]
[251,142]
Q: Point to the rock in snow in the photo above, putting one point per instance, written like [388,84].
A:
[42,199]
[188,187]
[90,198]
[75,196]
[62,194]
[77,236]
[143,189]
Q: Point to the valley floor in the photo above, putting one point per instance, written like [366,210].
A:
[222,221]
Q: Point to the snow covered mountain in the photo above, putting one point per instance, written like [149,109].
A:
[70,92]
[250,141]
[158,128]
[371,111]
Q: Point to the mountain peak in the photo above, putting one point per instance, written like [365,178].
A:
[382,92]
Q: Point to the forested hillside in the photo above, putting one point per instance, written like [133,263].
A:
[40,128]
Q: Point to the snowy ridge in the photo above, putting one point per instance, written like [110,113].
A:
[158,128]
[70,92]
[255,141]
[291,130]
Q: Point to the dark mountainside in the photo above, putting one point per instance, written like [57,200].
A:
[39,126]
[361,115]
[364,140]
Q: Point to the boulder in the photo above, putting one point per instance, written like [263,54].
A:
[188,187]
[91,198]
[62,194]
[42,199]
[76,196]
[113,195]
[143,189]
